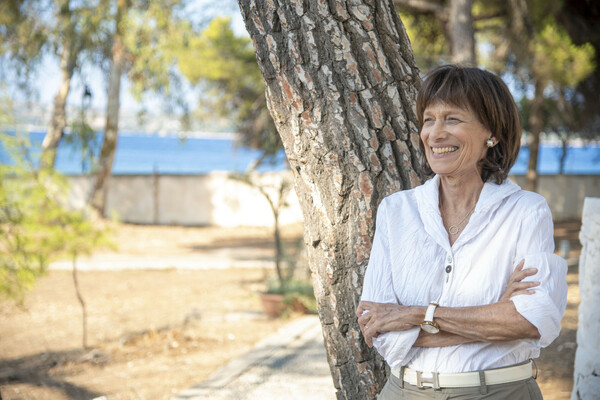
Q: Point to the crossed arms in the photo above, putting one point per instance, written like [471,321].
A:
[495,322]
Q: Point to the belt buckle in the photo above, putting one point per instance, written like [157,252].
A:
[433,381]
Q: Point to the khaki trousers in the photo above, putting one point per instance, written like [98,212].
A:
[521,390]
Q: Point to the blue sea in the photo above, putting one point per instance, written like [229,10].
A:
[147,154]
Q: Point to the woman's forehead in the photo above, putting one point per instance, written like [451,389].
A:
[440,105]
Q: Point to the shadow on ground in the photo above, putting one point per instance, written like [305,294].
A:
[43,370]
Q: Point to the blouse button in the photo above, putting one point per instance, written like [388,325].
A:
[448,268]
[449,259]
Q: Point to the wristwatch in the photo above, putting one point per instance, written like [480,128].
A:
[428,325]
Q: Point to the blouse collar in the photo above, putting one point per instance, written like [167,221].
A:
[427,196]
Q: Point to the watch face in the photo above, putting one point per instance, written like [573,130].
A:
[429,327]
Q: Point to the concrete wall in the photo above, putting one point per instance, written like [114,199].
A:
[211,199]
[216,199]
[565,193]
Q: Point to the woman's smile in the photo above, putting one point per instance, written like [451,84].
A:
[444,150]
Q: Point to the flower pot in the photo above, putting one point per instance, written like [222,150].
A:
[273,304]
[298,306]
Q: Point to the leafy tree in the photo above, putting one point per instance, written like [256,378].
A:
[21,41]
[35,224]
[144,34]
[543,56]
[65,28]
[225,66]
[559,66]
[581,19]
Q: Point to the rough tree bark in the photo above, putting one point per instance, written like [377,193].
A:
[58,121]
[111,130]
[341,83]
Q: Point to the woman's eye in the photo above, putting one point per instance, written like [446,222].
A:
[428,120]
[453,120]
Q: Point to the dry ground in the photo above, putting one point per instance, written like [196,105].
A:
[153,333]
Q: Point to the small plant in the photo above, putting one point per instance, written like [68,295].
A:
[36,225]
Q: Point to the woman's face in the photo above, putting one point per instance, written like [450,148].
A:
[454,139]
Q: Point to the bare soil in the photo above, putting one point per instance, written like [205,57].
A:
[152,333]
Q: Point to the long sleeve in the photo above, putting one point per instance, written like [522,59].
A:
[378,287]
[545,308]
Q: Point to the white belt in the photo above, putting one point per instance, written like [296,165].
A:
[466,379]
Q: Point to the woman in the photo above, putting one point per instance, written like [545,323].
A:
[462,287]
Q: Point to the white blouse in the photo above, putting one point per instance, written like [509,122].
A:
[411,255]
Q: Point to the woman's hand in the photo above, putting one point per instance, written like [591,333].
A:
[376,318]
[516,286]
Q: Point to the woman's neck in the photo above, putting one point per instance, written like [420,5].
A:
[458,195]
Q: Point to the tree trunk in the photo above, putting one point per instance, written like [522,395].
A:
[341,84]
[111,130]
[81,303]
[457,18]
[536,122]
[563,155]
[462,33]
[58,121]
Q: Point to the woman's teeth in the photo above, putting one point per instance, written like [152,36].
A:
[442,150]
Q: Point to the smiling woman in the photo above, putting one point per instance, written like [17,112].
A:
[462,289]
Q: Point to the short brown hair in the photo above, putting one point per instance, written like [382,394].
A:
[488,97]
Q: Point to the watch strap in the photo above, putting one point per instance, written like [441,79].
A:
[430,311]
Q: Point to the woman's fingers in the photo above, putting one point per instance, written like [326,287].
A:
[519,286]
[364,306]
[520,266]
[516,285]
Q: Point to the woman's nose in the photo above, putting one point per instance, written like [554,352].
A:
[437,130]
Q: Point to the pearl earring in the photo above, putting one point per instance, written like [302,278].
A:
[490,143]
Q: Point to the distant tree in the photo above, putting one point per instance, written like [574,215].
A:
[455,17]
[545,59]
[117,63]
[64,28]
[21,42]
[581,19]
[144,32]
[224,66]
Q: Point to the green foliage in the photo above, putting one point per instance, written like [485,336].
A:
[426,34]
[558,60]
[560,65]
[35,224]
[224,66]
[152,31]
